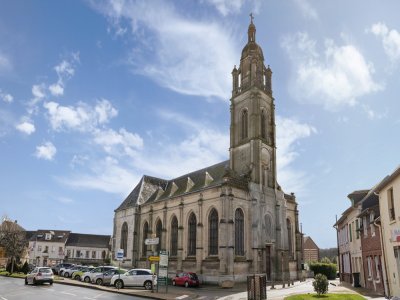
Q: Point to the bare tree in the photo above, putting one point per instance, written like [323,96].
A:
[13,240]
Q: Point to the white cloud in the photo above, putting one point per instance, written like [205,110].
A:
[335,79]
[26,127]
[202,52]
[80,118]
[6,97]
[226,7]
[56,89]
[65,70]
[289,132]
[107,175]
[5,63]
[39,93]
[390,40]
[306,9]
[46,151]
[117,143]
[65,200]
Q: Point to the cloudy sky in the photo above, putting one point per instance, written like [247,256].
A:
[94,94]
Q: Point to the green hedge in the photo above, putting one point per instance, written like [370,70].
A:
[329,270]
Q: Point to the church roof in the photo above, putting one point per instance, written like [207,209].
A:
[152,189]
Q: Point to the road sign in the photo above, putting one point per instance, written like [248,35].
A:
[120,254]
[164,258]
[152,241]
[154,258]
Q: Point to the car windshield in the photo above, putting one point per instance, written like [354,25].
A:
[45,270]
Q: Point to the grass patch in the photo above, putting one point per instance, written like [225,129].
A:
[325,296]
[14,275]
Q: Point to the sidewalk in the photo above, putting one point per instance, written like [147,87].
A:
[306,287]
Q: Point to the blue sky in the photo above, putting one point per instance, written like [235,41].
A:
[94,94]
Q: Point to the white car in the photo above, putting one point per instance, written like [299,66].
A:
[134,277]
[89,276]
[62,270]
[40,275]
[68,272]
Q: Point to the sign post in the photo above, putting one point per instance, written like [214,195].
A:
[163,269]
[119,257]
[153,241]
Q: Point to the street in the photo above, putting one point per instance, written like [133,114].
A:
[13,289]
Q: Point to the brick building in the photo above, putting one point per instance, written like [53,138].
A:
[310,250]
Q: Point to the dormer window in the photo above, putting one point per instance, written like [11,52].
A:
[48,237]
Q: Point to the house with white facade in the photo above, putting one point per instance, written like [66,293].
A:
[87,248]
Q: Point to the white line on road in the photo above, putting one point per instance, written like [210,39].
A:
[66,293]
[2,298]
[98,295]
[182,297]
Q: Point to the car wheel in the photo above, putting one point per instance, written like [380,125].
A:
[87,279]
[66,274]
[26,281]
[119,284]
[34,281]
[173,282]
[186,284]
[99,281]
[148,285]
[51,282]
[77,277]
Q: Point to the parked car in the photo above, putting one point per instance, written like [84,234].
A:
[105,278]
[40,275]
[56,269]
[134,277]
[186,279]
[68,272]
[77,275]
[89,276]
[63,268]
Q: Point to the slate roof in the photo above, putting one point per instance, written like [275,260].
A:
[88,240]
[370,202]
[357,196]
[161,189]
[308,243]
[57,236]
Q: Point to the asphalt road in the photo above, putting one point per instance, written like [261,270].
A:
[15,289]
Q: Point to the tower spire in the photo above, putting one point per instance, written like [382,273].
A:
[252,30]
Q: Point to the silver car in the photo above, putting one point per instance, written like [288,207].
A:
[89,276]
[105,278]
[134,277]
[40,275]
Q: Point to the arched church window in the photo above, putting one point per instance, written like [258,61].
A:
[145,234]
[239,232]
[268,227]
[289,233]
[192,235]
[124,237]
[244,124]
[174,236]
[263,124]
[159,235]
[213,232]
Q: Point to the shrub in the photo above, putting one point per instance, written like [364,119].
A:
[329,270]
[320,284]
[25,268]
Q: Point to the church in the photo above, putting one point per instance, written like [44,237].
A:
[228,220]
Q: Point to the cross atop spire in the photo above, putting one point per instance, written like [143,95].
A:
[251,18]
[252,29]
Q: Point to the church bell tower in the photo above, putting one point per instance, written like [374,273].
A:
[252,130]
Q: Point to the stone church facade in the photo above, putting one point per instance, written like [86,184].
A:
[230,219]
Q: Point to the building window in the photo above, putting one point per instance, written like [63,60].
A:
[174,236]
[365,226]
[94,254]
[46,249]
[392,214]
[244,124]
[263,124]
[350,234]
[78,253]
[103,254]
[239,232]
[145,233]
[372,225]
[357,229]
[68,253]
[369,267]
[87,254]
[377,268]
[192,235]
[124,238]
[289,235]
[213,232]
[159,235]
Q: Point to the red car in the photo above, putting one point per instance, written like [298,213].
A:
[186,279]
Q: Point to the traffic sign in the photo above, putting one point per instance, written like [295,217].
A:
[154,258]
[120,254]
[152,241]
